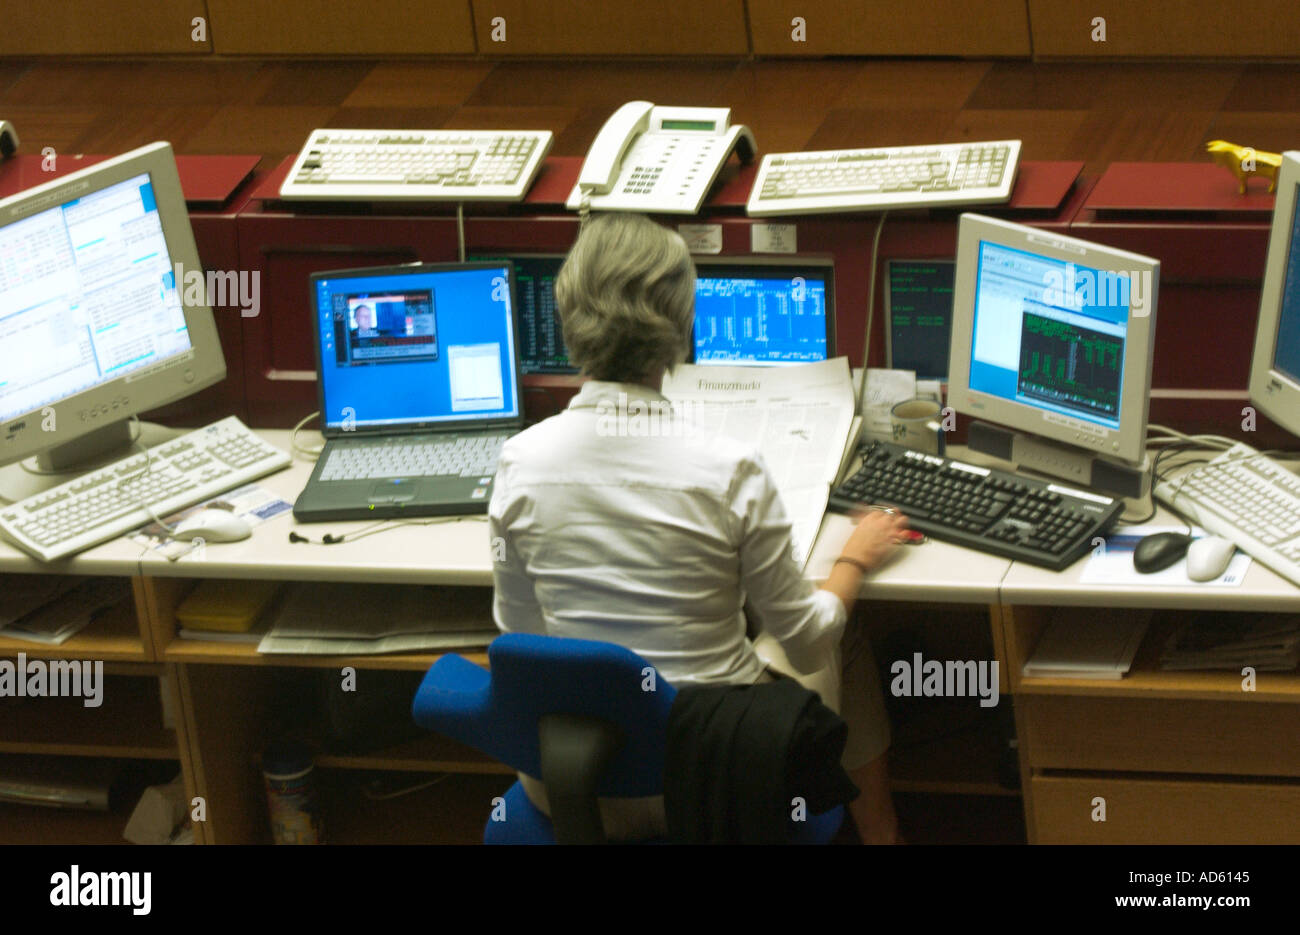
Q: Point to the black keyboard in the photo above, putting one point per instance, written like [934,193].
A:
[981,508]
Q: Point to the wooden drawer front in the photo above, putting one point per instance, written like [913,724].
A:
[1241,738]
[1152,811]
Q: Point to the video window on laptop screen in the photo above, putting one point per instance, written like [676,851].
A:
[416,346]
[762,316]
[1058,348]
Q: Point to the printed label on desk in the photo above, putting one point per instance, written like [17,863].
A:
[702,238]
[773,238]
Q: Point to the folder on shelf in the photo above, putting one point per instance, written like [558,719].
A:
[1088,643]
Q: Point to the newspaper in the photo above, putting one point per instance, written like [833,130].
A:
[798,417]
[354,619]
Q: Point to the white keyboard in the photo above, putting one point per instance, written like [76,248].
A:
[1247,497]
[416,165]
[107,501]
[464,456]
[885,178]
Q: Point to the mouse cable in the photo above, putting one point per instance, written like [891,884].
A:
[311,454]
[383,525]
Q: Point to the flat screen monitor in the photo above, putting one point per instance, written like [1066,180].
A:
[918,316]
[416,347]
[764,313]
[103,308]
[1053,336]
[1275,365]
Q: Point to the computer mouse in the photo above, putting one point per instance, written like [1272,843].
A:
[1208,557]
[213,526]
[1157,552]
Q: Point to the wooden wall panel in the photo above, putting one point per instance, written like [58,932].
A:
[341,27]
[611,27]
[880,27]
[1166,28]
[102,27]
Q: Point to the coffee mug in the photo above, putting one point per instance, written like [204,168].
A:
[918,424]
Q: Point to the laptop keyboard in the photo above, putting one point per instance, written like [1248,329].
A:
[463,456]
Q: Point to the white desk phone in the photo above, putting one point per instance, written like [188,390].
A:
[659,159]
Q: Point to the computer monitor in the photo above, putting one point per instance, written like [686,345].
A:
[918,316]
[541,339]
[1275,365]
[103,311]
[408,348]
[1053,337]
[762,313]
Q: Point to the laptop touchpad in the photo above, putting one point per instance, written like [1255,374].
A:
[396,490]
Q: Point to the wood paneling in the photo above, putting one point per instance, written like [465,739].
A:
[1166,736]
[1166,28]
[877,27]
[610,27]
[92,27]
[341,27]
[1149,811]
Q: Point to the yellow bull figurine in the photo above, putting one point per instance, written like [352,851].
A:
[1244,161]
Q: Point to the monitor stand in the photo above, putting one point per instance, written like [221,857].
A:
[63,463]
[1074,465]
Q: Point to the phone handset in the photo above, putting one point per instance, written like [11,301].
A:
[605,158]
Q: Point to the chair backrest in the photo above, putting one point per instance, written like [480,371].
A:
[497,712]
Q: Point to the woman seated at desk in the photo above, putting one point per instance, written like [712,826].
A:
[661,543]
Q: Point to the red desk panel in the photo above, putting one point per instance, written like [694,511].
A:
[1211,243]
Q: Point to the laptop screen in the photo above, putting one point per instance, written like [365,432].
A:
[763,314]
[416,346]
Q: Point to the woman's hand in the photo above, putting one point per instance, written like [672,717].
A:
[874,538]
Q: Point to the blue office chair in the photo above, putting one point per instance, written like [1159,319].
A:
[579,715]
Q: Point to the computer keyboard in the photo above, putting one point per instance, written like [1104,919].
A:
[108,501]
[885,178]
[1246,497]
[463,456]
[416,165]
[993,511]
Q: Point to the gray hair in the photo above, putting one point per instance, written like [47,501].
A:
[626,298]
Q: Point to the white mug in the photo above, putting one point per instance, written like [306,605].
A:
[917,424]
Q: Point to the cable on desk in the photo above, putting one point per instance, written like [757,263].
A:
[383,525]
[311,454]
[871,311]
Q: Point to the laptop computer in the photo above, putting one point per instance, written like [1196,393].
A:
[763,312]
[418,380]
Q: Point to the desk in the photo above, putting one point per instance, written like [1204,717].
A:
[1177,757]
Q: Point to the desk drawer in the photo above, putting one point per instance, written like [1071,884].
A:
[1159,811]
[1238,737]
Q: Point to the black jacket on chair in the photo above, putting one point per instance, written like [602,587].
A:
[737,756]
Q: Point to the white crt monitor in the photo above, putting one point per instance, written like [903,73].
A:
[1053,336]
[1275,366]
[95,322]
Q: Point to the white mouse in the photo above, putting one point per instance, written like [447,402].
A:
[213,525]
[1208,557]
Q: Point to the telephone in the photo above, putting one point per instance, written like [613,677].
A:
[659,159]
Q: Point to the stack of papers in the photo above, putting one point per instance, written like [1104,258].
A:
[800,418]
[1085,643]
[50,609]
[1267,644]
[352,619]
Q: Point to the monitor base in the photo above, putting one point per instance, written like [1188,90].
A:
[1073,465]
[103,446]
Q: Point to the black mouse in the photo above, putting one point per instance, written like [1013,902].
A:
[1157,552]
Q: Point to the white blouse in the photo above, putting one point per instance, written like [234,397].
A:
[615,521]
